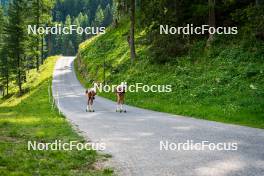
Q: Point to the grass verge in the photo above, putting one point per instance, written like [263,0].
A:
[225,83]
[31,118]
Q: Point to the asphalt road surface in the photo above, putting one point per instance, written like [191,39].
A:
[134,138]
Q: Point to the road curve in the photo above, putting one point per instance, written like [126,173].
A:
[133,139]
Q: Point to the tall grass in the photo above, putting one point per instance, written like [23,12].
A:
[31,118]
[224,83]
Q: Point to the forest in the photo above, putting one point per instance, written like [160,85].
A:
[21,51]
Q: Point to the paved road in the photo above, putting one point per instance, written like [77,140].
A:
[134,138]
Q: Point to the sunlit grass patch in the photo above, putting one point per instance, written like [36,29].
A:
[225,83]
[30,117]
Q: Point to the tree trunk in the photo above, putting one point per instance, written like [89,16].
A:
[7,78]
[38,22]
[49,45]
[19,75]
[42,49]
[115,23]
[211,19]
[37,62]
[132,31]
[7,84]
[19,82]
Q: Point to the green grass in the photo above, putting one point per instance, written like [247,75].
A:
[225,83]
[31,118]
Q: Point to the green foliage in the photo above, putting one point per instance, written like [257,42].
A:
[22,51]
[1,21]
[1,27]
[252,20]
[37,15]
[31,118]
[224,83]
[16,40]
[4,4]
[4,72]
[108,16]
[99,16]
[86,13]
[179,13]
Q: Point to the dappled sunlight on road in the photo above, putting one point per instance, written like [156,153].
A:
[184,128]
[221,168]
[133,138]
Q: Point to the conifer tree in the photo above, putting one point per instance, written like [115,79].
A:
[1,26]
[67,37]
[4,70]
[132,30]
[16,39]
[40,15]
[77,38]
[99,16]
[107,15]
[36,15]
[3,58]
